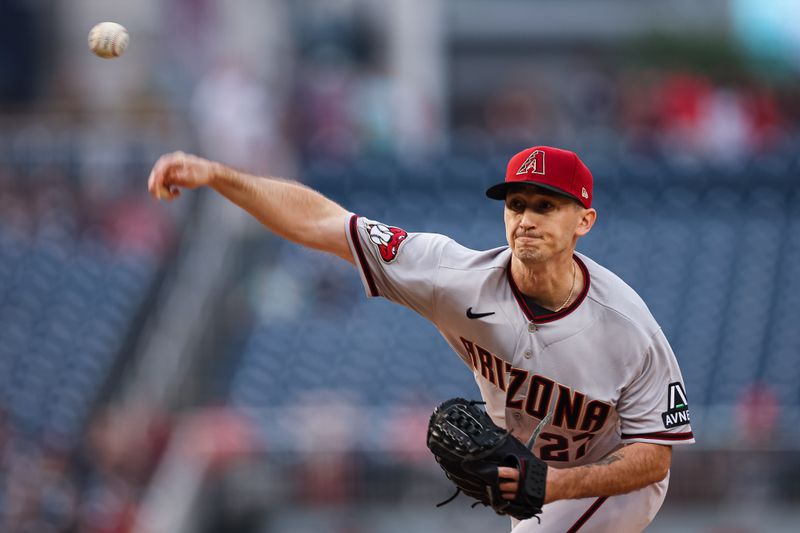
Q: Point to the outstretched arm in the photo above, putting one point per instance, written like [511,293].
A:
[289,209]
[627,469]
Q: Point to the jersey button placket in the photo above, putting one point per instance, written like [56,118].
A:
[528,354]
[532,327]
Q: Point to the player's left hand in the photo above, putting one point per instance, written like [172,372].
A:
[485,461]
[510,486]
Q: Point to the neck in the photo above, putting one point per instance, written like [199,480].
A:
[548,283]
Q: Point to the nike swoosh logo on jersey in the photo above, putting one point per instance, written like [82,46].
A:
[472,315]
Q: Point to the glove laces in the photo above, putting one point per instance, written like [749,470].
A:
[451,498]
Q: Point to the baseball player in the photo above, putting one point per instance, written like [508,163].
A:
[548,333]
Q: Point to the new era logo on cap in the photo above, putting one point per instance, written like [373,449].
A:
[557,170]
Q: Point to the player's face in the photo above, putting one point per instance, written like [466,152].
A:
[541,225]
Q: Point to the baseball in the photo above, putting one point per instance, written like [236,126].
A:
[108,39]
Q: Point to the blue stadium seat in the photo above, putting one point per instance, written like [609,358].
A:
[64,310]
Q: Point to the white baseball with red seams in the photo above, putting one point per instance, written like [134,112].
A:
[108,40]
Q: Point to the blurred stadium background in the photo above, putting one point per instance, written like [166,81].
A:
[175,368]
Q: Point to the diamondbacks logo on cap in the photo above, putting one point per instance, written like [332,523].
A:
[534,164]
[677,413]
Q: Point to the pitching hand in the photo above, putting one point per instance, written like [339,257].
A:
[176,171]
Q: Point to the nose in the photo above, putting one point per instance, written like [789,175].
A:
[528,220]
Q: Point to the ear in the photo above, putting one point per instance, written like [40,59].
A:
[586,221]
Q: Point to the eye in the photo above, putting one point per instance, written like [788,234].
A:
[516,205]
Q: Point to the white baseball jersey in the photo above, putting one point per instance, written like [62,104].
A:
[602,366]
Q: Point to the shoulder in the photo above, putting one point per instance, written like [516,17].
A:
[457,257]
[616,300]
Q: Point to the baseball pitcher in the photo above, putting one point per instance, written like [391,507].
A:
[583,395]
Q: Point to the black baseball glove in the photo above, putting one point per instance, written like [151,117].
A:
[469,447]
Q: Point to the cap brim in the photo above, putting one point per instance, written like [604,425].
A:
[499,191]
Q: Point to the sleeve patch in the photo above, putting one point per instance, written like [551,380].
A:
[387,239]
[677,413]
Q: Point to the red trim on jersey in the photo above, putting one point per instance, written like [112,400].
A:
[541,319]
[588,514]
[362,260]
[659,435]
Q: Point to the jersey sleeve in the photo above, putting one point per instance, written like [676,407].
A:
[654,407]
[400,266]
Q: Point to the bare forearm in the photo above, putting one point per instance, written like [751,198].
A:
[628,469]
[289,209]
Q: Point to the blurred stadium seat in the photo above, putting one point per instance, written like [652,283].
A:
[64,312]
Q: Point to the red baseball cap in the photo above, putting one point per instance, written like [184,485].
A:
[554,169]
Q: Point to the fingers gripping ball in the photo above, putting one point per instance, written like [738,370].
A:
[108,40]
[470,447]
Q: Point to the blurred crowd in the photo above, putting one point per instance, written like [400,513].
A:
[65,182]
[94,487]
[345,112]
[679,113]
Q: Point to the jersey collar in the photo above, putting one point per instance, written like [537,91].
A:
[541,319]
